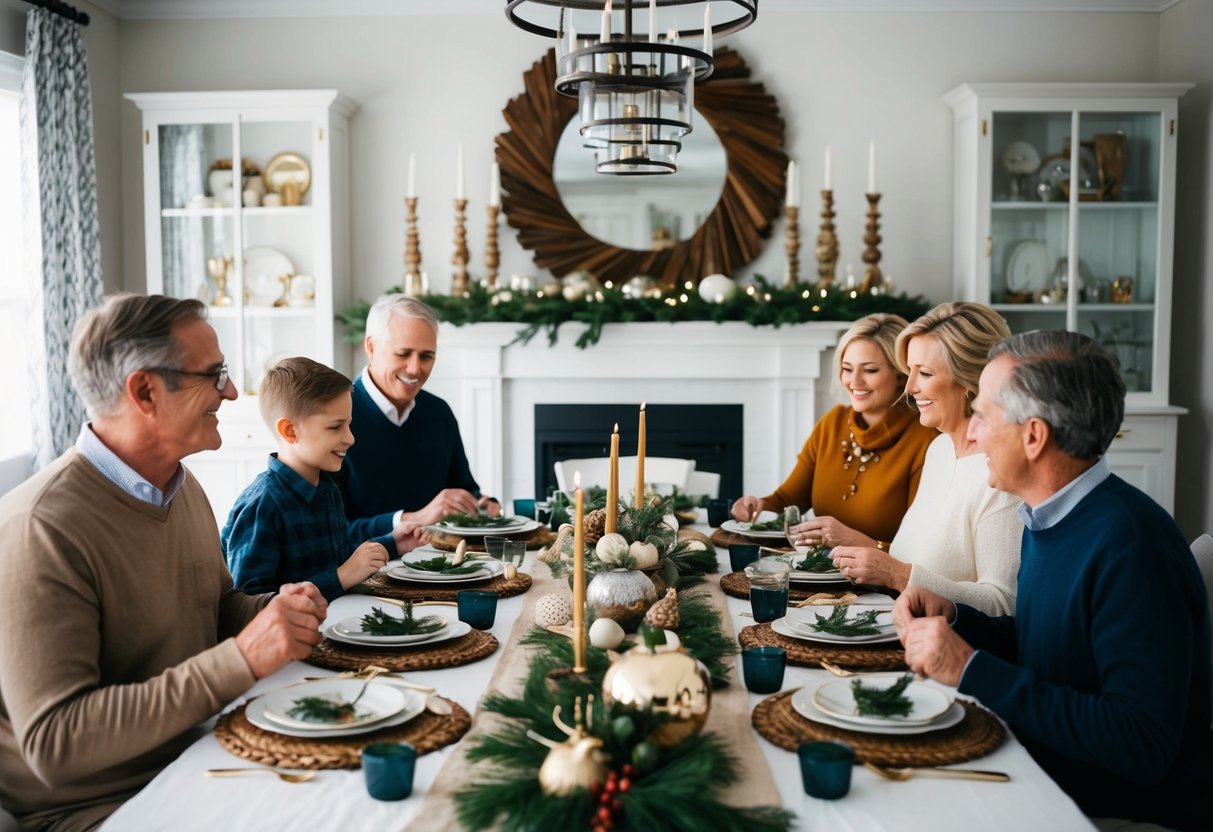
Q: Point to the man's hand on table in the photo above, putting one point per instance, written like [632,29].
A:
[408,536]
[933,648]
[490,506]
[285,630]
[447,501]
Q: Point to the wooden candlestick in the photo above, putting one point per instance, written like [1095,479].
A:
[492,256]
[871,255]
[792,244]
[413,284]
[827,243]
[459,276]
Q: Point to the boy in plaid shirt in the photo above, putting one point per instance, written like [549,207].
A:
[289,525]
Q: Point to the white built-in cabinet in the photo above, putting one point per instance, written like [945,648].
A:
[1064,214]
[271,275]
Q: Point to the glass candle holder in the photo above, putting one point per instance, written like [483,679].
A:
[825,768]
[388,768]
[477,607]
[763,668]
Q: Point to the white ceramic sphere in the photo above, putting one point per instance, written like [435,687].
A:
[716,287]
[553,610]
[606,634]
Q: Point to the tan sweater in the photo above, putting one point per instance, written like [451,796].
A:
[115,631]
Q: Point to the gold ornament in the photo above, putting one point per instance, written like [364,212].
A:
[594,525]
[664,614]
[666,680]
[576,763]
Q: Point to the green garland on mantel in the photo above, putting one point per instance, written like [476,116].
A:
[766,305]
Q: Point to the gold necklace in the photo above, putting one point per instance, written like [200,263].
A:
[853,453]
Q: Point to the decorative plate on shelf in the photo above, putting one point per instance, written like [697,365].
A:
[264,268]
[1028,267]
[287,167]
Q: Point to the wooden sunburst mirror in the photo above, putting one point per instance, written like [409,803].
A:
[746,120]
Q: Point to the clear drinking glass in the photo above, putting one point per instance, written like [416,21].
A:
[791,519]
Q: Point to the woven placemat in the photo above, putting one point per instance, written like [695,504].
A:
[978,734]
[450,653]
[738,585]
[542,536]
[888,656]
[427,731]
[381,584]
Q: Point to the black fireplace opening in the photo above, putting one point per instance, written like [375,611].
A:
[710,434]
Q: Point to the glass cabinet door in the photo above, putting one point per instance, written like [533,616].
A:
[1118,233]
[279,238]
[1029,219]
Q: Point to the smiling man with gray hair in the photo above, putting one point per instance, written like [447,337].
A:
[1104,670]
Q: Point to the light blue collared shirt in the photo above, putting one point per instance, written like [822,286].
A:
[111,466]
[383,402]
[1053,510]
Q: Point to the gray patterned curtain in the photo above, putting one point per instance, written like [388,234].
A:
[59,186]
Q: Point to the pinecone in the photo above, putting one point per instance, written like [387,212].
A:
[594,525]
[664,614]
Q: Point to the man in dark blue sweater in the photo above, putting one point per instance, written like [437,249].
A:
[1103,673]
[408,464]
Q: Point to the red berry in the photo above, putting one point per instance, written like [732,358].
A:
[628,770]
[604,815]
[599,828]
[604,799]
[625,784]
[611,786]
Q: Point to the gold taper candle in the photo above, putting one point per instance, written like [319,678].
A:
[578,578]
[640,442]
[612,497]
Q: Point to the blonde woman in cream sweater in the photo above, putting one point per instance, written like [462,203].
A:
[960,537]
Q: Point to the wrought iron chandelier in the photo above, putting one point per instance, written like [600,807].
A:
[636,94]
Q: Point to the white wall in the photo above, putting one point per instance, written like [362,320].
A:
[1185,54]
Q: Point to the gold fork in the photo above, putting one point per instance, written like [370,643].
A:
[285,776]
[902,774]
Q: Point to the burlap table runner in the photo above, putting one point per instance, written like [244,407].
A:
[450,653]
[887,656]
[978,734]
[381,584]
[727,719]
[541,536]
[427,731]
[738,585]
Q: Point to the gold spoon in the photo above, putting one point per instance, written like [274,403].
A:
[285,776]
[902,774]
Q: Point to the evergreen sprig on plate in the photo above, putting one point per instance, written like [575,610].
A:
[839,624]
[443,566]
[476,521]
[379,623]
[817,560]
[886,702]
[773,525]
[322,709]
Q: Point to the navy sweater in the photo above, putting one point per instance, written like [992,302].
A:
[389,468]
[1104,671]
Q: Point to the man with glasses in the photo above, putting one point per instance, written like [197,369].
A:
[121,629]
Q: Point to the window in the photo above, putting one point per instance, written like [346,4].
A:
[16,437]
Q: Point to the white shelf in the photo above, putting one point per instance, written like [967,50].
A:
[198,212]
[1029,307]
[1061,205]
[251,311]
[1115,307]
[260,211]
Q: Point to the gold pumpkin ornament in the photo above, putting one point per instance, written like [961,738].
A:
[668,681]
[576,763]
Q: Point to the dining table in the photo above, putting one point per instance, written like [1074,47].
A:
[182,797]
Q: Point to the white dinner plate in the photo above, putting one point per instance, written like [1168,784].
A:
[402,572]
[377,703]
[742,527]
[802,701]
[352,627]
[456,629]
[806,633]
[262,268]
[518,525]
[414,705]
[1029,267]
[926,703]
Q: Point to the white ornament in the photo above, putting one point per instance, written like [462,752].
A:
[645,554]
[553,610]
[606,634]
[696,546]
[716,288]
[460,553]
[671,522]
[611,548]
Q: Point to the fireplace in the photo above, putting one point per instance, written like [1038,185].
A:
[710,434]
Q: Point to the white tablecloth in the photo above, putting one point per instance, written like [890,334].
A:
[182,798]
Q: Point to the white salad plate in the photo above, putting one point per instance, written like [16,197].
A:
[352,628]
[375,703]
[802,702]
[836,699]
[414,704]
[517,525]
[404,572]
[743,527]
[454,629]
[805,632]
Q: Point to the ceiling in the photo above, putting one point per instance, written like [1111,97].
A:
[199,9]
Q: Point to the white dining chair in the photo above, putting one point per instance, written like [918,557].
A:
[703,484]
[661,473]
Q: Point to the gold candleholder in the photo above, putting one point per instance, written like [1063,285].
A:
[459,276]
[492,256]
[792,245]
[871,255]
[413,284]
[827,243]
[220,270]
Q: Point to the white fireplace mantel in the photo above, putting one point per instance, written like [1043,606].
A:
[782,376]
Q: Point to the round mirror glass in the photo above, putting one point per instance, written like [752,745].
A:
[641,212]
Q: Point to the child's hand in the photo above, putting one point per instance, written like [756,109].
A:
[408,536]
[367,559]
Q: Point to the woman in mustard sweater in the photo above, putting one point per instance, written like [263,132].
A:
[860,466]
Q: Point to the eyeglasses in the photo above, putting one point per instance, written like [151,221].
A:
[220,376]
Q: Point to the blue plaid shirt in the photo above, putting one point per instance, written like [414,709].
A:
[283,529]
